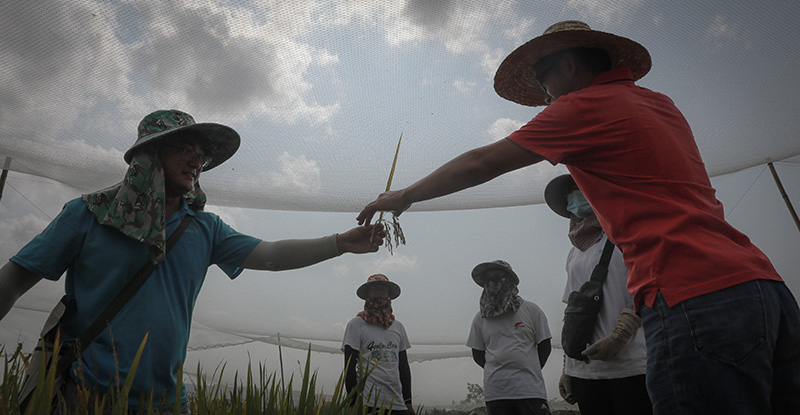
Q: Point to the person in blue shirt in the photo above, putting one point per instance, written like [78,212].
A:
[103,238]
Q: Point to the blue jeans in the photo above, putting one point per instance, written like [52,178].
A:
[732,351]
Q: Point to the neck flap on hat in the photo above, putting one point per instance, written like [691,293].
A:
[499,297]
[136,205]
[584,232]
[377,311]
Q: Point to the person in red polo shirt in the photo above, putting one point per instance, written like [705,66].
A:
[721,327]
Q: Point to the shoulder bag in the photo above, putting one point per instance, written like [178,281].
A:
[41,358]
[583,305]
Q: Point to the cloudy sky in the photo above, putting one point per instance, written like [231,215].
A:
[320,92]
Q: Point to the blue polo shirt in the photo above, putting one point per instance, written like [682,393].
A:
[99,261]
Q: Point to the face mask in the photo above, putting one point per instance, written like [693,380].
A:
[578,206]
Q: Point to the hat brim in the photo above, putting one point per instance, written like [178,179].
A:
[555,194]
[363,290]
[480,270]
[515,80]
[225,141]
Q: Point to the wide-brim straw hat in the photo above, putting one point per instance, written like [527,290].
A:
[515,80]
[378,279]
[480,270]
[220,141]
[555,194]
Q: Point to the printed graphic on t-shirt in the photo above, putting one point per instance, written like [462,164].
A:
[385,352]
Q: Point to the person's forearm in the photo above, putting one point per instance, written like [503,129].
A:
[465,171]
[543,349]
[405,377]
[291,253]
[479,356]
[14,281]
[470,169]
[351,376]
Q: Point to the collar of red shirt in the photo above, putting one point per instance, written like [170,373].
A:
[614,75]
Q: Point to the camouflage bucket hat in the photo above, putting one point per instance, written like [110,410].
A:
[221,141]
[480,270]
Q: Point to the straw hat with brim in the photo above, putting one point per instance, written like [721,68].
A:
[378,280]
[480,270]
[515,80]
[220,141]
[555,194]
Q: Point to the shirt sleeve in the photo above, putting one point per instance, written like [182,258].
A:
[352,336]
[405,344]
[557,133]
[230,247]
[475,338]
[539,321]
[51,252]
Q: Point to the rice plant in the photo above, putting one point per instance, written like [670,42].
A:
[257,392]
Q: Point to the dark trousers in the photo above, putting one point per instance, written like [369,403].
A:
[518,407]
[625,396]
[732,351]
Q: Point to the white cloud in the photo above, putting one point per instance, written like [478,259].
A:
[605,11]
[463,86]
[389,264]
[502,127]
[296,173]
[721,32]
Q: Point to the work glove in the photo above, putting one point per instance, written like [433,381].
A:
[565,389]
[608,347]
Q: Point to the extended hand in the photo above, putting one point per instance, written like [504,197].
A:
[608,347]
[361,239]
[391,201]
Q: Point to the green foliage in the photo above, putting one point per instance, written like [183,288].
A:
[256,393]
[474,395]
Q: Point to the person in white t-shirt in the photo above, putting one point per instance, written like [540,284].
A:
[510,340]
[375,339]
[611,380]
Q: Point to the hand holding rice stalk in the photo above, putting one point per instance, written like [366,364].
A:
[395,225]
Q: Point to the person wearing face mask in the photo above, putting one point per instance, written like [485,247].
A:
[510,340]
[612,381]
[374,338]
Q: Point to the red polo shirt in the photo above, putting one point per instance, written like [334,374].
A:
[634,157]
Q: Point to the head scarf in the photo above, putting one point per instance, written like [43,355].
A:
[135,206]
[584,232]
[377,311]
[499,297]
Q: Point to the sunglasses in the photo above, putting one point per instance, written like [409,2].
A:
[190,155]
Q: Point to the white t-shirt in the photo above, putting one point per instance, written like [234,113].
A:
[512,369]
[381,346]
[631,360]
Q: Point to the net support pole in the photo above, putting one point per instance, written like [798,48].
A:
[784,195]
[4,175]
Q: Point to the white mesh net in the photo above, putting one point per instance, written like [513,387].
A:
[320,92]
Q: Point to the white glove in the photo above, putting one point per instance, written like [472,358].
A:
[565,388]
[608,347]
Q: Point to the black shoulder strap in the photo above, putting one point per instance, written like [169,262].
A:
[608,249]
[122,298]
[601,269]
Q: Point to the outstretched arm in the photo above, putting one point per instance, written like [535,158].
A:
[470,169]
[299,253]
[14,281]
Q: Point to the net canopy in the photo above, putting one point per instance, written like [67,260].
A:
[321,90]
